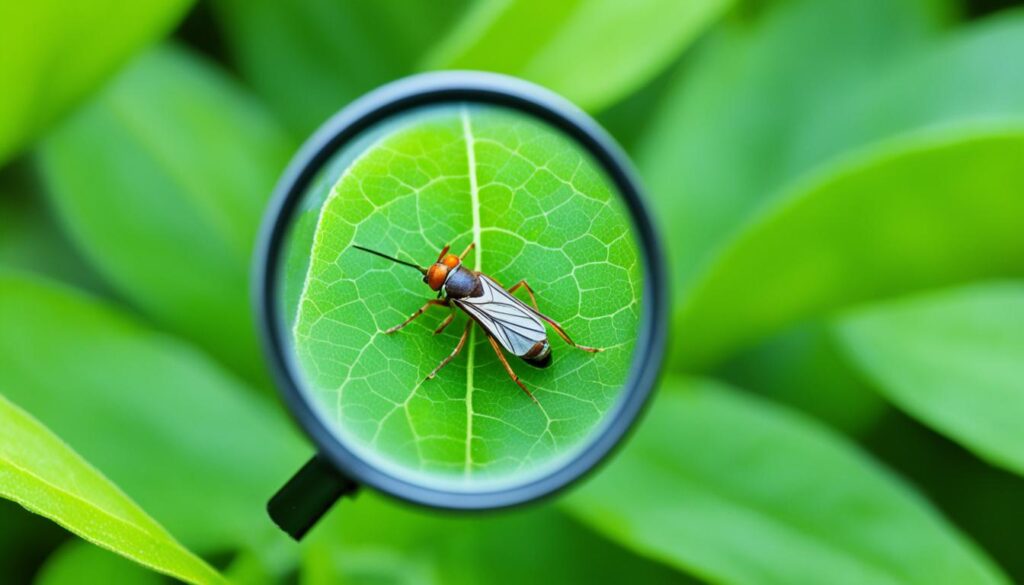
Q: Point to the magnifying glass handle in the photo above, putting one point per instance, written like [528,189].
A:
[307,496]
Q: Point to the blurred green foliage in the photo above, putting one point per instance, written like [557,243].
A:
[170,171]
[839,186]
[940,210]
[55,53]
[923,350]
[42,474]
[149,387]
[76,559]
[741,511]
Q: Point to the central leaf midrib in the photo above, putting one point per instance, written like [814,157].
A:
[474,199]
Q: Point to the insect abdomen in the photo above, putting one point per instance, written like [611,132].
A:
[539,355]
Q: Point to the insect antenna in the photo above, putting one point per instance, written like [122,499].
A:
[392,258]
[443,252]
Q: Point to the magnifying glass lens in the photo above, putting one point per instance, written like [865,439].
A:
[462,297]
[462,292]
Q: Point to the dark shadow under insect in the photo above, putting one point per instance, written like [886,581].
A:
[508,322]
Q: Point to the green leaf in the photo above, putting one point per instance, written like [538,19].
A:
[968,75]
[538,208]
[921,213]
[377,541]
[629,120]
[954,360]
[55,53]
[80,562]
[42,474]
[309,58]
[325,564]
[181,436]
[251,567]
[593,52]
[806,367]
[162,182]
[982,500]
[25,540]
[32,240]
[720,143]
[737,490]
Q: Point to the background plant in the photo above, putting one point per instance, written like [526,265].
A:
[840,186]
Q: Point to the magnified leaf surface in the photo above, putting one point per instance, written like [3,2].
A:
[537,208]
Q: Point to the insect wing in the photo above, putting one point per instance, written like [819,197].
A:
[505,317]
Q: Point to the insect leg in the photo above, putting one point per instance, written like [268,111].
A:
[444,324]
[471,245]
[455,352]
[418,312]
[561,333]
[554,324]
[529,291]
[508,368]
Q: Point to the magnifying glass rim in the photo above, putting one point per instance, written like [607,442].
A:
[384,103]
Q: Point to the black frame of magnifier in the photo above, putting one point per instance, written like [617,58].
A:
[336,470]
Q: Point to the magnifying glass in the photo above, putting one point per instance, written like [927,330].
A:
[461,295]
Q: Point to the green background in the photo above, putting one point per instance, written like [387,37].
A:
[839,185]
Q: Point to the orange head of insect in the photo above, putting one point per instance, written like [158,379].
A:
[438,272]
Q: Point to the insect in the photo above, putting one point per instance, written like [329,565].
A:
[508,322]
